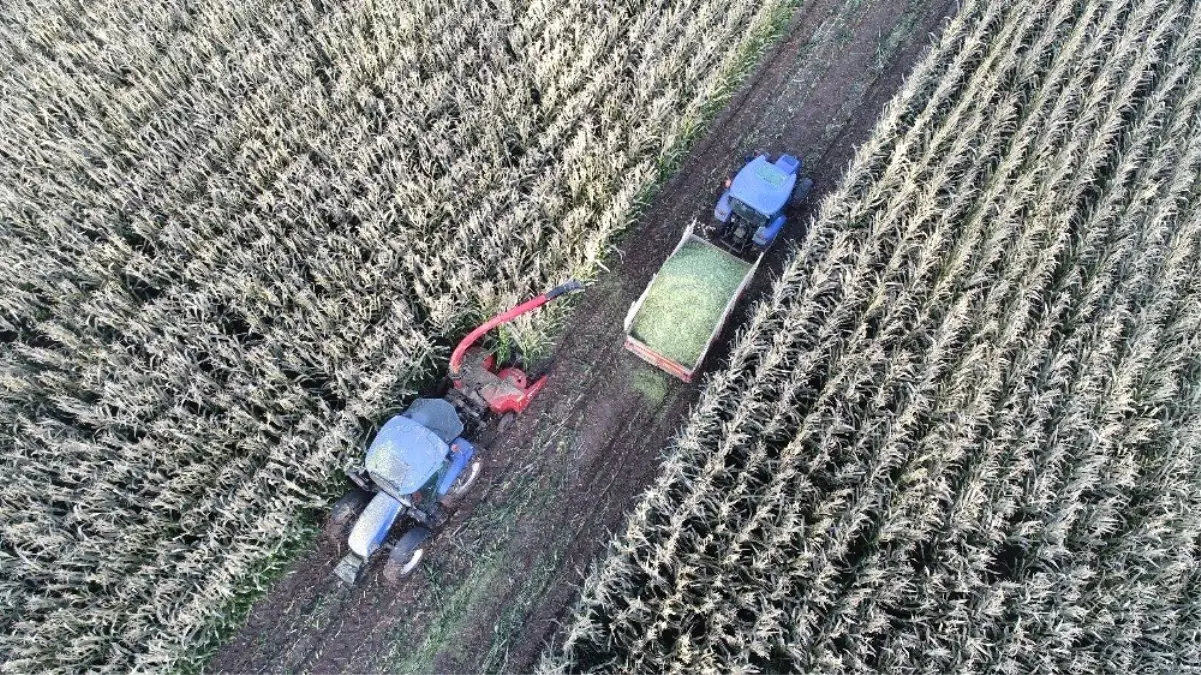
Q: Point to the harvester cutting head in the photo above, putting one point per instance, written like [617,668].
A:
[479,383]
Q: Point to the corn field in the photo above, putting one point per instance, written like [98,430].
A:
[237,235]
[961,432]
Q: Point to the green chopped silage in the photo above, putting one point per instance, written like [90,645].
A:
[686,300]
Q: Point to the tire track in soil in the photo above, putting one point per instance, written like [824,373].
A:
[507,566]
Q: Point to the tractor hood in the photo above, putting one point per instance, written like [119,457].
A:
[763,186]
[404,455]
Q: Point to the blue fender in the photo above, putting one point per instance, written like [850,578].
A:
[766,234]
[788,164]
[722,211]
[461,452]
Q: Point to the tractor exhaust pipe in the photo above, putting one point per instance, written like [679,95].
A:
[456,357]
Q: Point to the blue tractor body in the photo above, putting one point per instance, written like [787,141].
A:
[420,465]
[412,465]
[752,207]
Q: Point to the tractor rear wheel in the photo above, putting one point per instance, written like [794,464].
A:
[462,485]
[801,191]
[406,554]
[345,511]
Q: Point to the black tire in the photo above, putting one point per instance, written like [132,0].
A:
[343,514]
[505,423]
[494,430]
[462,485]
[801,191]
[406,554]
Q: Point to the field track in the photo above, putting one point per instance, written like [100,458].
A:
[503,573]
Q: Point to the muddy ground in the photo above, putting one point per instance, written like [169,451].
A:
[503,572]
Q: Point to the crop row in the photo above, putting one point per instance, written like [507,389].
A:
[961,432]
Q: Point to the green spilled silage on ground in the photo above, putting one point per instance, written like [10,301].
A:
[686,301]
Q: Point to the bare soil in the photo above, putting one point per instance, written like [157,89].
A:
[507,567]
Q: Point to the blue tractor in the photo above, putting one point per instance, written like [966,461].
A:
[416,466]
[421,462]
[750,212]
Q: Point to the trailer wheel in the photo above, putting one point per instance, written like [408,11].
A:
[496,429]
[343,514]
[406,554]
[505,422]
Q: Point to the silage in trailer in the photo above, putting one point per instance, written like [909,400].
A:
[687,299]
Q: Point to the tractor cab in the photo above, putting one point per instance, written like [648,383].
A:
[413,447]
[751,210]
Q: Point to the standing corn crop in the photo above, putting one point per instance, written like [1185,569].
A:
[238,234]
[961,433]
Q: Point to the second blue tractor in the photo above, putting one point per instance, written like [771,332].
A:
[751,210]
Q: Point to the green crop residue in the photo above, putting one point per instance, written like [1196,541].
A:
[687,299]
[650,384]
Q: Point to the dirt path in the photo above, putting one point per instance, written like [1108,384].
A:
[508,565]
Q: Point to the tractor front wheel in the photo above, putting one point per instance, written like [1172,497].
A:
[406,554]
[345,511]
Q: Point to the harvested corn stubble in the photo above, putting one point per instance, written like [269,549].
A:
[687,299]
